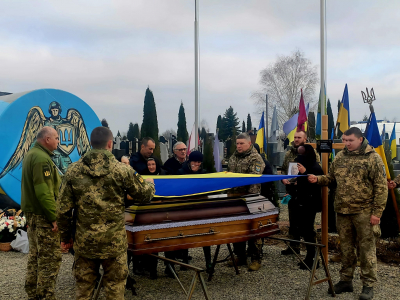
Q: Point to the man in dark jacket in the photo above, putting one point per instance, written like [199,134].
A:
[39,191]
[173,164]
[138,160]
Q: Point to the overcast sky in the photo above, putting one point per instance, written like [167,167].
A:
[108,52]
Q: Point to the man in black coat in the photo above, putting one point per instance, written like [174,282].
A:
[173,164]
[138,161]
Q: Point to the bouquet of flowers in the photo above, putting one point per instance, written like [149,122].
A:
[8,225]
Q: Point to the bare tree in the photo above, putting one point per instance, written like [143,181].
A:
[283,80]
[168,132]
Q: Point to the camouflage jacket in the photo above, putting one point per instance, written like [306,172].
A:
[95,187]
[361,181]
[397,180]
[40,183]
[248,162]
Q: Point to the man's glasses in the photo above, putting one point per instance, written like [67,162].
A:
[183,149]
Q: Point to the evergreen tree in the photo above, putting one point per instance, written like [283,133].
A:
[219,126]
[339,133]
[130,133]
[311,126]
[182,134]
[136,131]
[150,123]
[203,134]
[230,123]
[331,122]
[208,162]
[124,138]
[243,127]
[249,125]
[104,123]
[232,147]
[118,134]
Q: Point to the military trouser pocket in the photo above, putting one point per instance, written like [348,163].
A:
[376,230]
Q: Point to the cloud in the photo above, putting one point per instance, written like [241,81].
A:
[108,53]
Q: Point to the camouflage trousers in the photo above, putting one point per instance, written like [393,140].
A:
[44,258]
[86,271]
[254,249]
[356,232]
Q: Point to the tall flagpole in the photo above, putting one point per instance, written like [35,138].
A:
[324,131]
[196,72]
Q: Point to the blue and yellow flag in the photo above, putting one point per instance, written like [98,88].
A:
[344,112]
[318,125]
[290,127]
[190,185]
[261,140]
[392,142]
[374,138]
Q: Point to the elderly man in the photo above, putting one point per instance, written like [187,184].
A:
[300,138]
[247,160]
[360,200]
[173,164]
[94,186]
[39,191]
[138,160]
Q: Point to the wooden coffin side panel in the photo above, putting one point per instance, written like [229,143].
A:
[150,241]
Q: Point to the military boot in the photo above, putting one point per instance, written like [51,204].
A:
[367,293]
[255,265]
[240,261]
[342,287]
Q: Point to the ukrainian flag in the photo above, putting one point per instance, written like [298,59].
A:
[261,140]
[374,138]
[392,142]
[197,184]
[344,112]
[290,127]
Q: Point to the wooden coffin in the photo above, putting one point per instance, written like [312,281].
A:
[260,220]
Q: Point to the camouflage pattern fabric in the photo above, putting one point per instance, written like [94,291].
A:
[356,232]
[397,180]
[86,271]
[44,258]
[361,181]
[248,162]
[95,187]
[254,249]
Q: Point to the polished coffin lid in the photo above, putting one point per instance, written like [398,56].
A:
[190,210]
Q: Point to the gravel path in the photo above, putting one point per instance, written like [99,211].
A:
[279,278]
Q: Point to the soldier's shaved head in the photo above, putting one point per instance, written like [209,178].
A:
[100,137]
[45,132]
[48,138]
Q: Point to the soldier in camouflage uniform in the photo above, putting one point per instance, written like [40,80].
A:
[246,160]
[95,186]
[360,200]
[39,191]
[300,138]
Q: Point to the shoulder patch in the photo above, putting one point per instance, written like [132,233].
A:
[46,171]
[258,167]
[138,177]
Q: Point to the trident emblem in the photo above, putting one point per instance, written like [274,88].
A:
[369,97]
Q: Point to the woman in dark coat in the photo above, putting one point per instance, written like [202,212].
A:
[190,167]
[307,202]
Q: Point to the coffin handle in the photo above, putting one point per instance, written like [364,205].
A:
[180,235]
[269,223]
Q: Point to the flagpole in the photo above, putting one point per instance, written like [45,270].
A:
[196,72]
[266,125]
[324,131]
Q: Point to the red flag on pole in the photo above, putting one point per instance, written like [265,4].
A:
[302,119]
